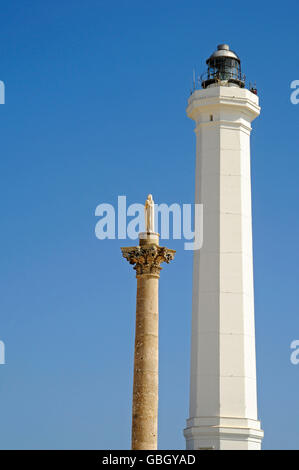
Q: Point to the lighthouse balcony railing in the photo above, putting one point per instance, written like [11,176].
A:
[229,76]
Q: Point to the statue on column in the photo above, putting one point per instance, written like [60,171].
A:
[149,214]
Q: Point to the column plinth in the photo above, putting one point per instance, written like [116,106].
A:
[146,259]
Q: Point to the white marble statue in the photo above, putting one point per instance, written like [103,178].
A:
[149,214]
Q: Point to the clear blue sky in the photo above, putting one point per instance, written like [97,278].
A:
[95,108]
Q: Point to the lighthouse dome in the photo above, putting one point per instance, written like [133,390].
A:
[224,68]
[223,50]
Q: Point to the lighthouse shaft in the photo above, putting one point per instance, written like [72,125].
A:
[223,401]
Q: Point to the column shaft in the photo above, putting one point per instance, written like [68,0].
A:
[145,388]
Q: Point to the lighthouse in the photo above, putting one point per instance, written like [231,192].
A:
[223,397]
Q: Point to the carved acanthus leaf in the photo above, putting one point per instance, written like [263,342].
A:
[147,259]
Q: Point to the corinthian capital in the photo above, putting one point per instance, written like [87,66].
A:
[147,259]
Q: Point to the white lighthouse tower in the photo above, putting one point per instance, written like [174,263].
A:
[223,400]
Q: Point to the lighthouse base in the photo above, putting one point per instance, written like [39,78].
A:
[215,433]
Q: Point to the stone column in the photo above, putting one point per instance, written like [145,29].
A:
[146,259]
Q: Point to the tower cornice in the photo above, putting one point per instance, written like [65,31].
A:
[225,98]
